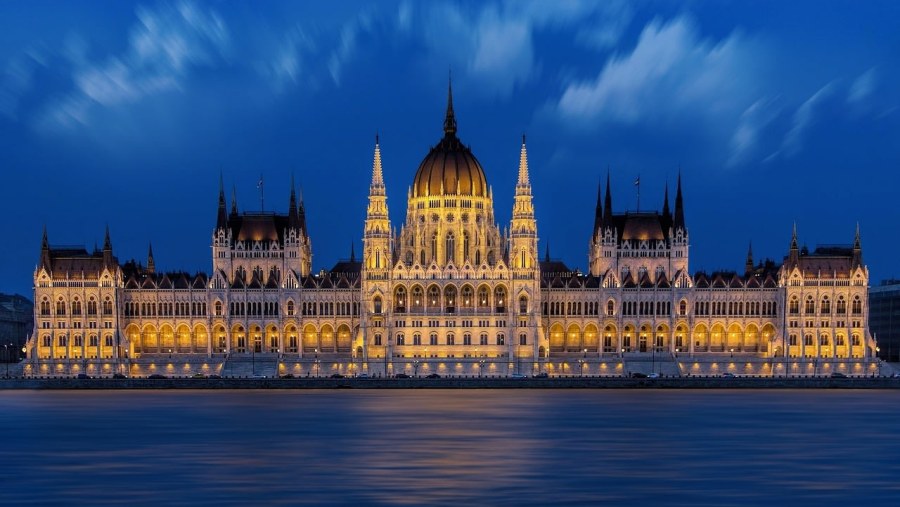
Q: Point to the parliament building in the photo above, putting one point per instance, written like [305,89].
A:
[451,293]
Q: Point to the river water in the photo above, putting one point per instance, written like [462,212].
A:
[450,447]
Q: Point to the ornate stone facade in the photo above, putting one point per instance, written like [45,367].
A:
[451,294]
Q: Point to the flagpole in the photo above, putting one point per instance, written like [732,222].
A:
[637,182]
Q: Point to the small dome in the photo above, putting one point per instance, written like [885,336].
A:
[448,167]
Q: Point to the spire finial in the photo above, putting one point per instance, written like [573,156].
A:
[151,265]
[794,245]
[45,244]
[352,253]
[679,204]
[607,203]
[450,118]
[547,253]
[234,209]
[107,244]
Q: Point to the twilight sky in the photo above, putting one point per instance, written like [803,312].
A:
[122,113]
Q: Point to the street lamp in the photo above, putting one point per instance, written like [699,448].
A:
[581,366]
[416,368]
[6,357]
[480,367]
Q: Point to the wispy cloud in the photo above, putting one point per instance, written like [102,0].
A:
[669,72]
[862,87]
[745,139]
[804,118]
[164,46]
[493,43]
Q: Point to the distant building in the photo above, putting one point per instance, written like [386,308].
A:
[16,324]
[884,318]
[452,291]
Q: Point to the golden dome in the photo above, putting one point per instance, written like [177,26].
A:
[450,168]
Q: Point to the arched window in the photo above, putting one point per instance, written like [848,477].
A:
[477,257]
[400,299]
[501,339]
[422,257]
[218,307]
[107,306]
[76,307]
[92,307]
[434,296]
[467,297]
[451,340]
[418,298]
[500,296]
[409,257]
[467,339]
[483,301]
[417,339]
[841,306]
[377,304]
[290,308]
[826,305]
[610,308]
[450,253]
[400,339]
[523,304]
[378,340]
[810,306]
[794,306]
[857,306]
[682,308]
[522,259]
[45,307]
[450,298]
[60,307]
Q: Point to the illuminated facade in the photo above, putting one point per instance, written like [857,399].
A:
[450,293]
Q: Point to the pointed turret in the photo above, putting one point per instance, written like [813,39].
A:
[607,205]
[450,118]
[547,253]
[377,173]
[234,208]
[598,211]
[794,252]
[151,265]
[107,249]
[748,266]
[301,213]
[221,215]
[857,249]
[665,211]
[293,214]
[678,221]
[377,233]
[45,251]
[352,253]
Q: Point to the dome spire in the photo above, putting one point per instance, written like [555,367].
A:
[377,173]
[450,118]
[523,165]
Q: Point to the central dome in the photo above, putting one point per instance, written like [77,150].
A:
[450,168]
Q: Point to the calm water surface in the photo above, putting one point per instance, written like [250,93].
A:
[449,447]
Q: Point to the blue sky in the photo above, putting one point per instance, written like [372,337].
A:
[126,113]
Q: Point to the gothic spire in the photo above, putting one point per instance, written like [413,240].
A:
[607,205]
[547,253]
[107,244]
[377,173]
[221,216]
[679,206]
[450,118]
[151,266]
[665,211]
[45,250]
[352,253]
[598,211]
[293,216]
[523,166]
[794,245]
[748,267]
[857,248]
[234,208]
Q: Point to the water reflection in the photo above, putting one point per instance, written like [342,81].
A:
[427,447]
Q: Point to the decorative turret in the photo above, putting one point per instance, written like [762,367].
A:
[678,222]
[598,212]
[857,249]
[377,234]
[221,216]
[151,266]
[523,228]
[748,266]
[107,250]
[45,251]
[293,212]
[666,214]
[607,206]
[794,252]
[234,208]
